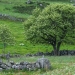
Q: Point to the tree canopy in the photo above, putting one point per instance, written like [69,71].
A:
[52,25]
[5,36]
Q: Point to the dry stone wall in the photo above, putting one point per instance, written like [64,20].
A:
[42,63]
[12,18]
[61,53]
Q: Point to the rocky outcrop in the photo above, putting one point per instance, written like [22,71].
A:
[41,63]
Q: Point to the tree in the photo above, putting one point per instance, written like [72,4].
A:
[5,36]
[53,25]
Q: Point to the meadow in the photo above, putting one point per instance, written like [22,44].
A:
[61,65]
[10,7]
[17,28]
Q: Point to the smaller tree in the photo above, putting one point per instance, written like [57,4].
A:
[5,36]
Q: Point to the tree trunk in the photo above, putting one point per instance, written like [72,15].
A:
[4,45]
[56,48]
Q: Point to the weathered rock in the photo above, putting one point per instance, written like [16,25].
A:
[5,16]
[37,64]
[31,66]
[21,63]
[1,62]
[15,67]
[11,62]
[1,69]
[44,63]
[3,66]
[26,63]
[24,66]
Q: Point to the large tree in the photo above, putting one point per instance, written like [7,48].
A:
[53,25]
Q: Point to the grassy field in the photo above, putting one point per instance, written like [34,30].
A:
[11,7]
[18,32]
[17,28]
[61,65]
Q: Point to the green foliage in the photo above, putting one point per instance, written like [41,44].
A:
[19,8]
[52,26]
[5,36]
[17,30]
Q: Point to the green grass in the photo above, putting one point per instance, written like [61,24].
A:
[17,30]
[6,6]
[61,65]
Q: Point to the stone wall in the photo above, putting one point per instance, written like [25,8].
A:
[61,53]
[12,18]
[41,63]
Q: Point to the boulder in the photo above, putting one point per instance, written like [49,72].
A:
[43,63]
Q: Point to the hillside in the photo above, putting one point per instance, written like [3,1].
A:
[20,9]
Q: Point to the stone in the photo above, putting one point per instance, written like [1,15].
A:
[26,63]
[15,67]
[9,65]
[1,69]
[17,63]
[44,63]
[24,67]
[21,44]
[4,16]
[11,62]
[21,63]
[3,66]
[37,65]
[41,5]
[1,61]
